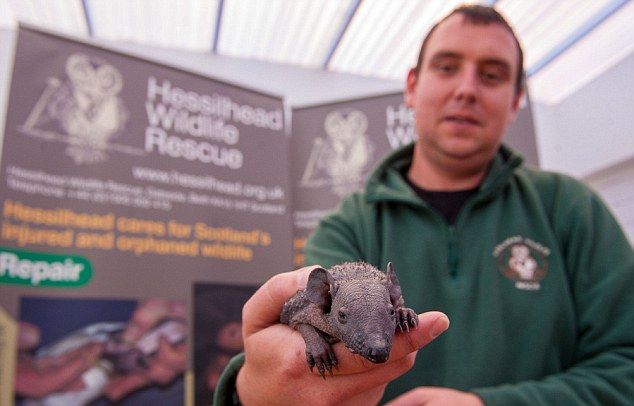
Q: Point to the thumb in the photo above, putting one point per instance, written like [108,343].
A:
[264,307]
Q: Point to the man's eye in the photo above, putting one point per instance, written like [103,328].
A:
[446,68]
[492,77]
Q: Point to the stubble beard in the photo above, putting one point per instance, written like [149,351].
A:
[472,162]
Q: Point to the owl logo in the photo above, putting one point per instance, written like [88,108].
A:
[340,159]
[84,109]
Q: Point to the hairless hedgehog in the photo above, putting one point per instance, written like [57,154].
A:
[353,302]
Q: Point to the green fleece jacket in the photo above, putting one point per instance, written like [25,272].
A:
[536,277]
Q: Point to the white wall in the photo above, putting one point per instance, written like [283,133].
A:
[616,186]
[590,135]
[593,128]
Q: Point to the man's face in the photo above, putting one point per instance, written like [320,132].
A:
[464,95]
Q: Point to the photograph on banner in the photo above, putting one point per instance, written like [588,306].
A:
[334,147]
[149,173]
[101,351]
[217,333]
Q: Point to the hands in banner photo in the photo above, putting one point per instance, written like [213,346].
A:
[105,359]
[170,359]
[37,377]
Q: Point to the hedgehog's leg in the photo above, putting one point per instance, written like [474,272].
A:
[406,318]
[318,351]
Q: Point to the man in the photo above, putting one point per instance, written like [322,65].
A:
[531,268]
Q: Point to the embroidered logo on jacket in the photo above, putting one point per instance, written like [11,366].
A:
[522,260]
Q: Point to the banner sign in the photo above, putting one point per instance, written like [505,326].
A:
[334,147]
[125,179]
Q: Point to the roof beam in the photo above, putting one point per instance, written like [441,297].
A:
[354,6]
[577,35]
[219,10]
[86,8]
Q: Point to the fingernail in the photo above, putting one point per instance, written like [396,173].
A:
[440,325]
[302,276]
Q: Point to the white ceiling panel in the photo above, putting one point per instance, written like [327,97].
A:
[601,49]
[566,42]
[165,23]
[384,36]
[7,17]
[66,16]
[543,25]
[296,32]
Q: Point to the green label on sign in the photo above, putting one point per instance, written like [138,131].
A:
[43,269]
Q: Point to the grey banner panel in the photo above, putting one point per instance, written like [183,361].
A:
[155,176]
[334,147]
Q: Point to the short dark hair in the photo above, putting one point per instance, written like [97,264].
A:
[483,15]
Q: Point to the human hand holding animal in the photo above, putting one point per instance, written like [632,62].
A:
[275,369]
[169,359]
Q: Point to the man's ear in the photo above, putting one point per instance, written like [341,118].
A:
[518,101]
[410,87]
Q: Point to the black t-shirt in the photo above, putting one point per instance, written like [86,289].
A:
[448,204]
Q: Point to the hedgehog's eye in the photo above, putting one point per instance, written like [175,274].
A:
[343,317]
[392,312]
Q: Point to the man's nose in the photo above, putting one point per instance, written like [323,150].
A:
[467,86]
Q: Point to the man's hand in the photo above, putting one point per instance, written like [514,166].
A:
[37,377]
[431,396]
[169,361]
[275,369]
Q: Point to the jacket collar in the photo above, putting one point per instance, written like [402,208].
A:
[386,182]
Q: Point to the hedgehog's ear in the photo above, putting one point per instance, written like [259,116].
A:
[393,285]
[320,288]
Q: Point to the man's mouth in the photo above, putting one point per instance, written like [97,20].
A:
[462,119]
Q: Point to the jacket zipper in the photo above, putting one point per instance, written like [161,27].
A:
[452,243]
[453,252]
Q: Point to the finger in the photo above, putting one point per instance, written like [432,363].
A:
[149,313]
[88,354]
[118,387]
[174,356]
[411,398]
[417,396]
[40,378]
[370,397]
[145,317]
[264,307]
[379,377]
[278,347]
[28,336]
[430,326]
